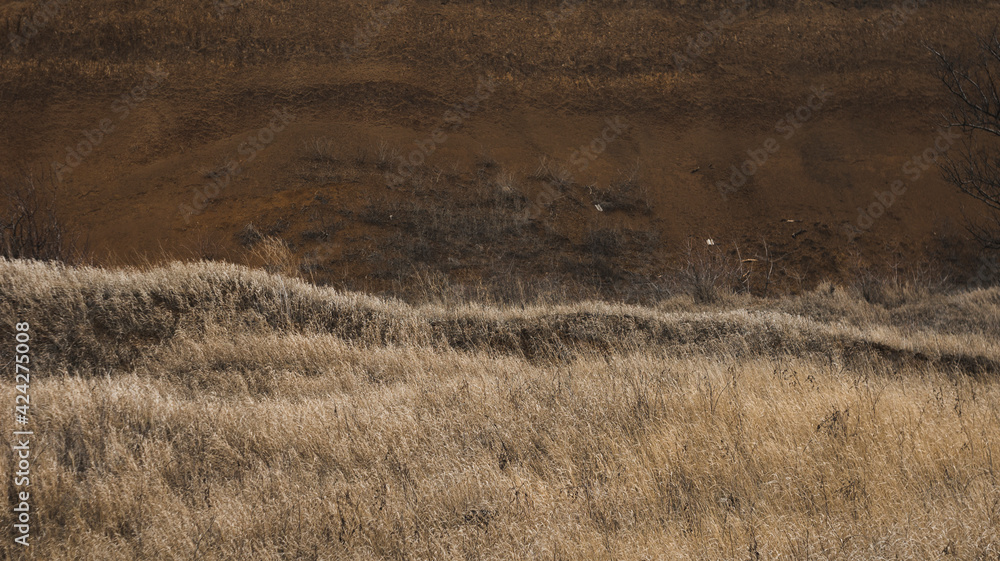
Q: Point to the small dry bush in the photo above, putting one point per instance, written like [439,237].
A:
[553,173]
[274,255]
[707,273]
[29,226]
[321,150]
[626,193]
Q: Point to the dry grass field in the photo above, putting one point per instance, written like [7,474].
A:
[210,411]
[560,280]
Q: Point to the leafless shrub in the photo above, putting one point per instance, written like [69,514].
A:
[321,150]
[29,226]
[753,272]
[625,193]
[974,87]
[707,273]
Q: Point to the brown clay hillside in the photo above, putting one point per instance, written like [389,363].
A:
[588,143]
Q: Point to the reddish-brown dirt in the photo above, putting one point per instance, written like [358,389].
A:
[556,87]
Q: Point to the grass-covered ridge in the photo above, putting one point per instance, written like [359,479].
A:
[91,319]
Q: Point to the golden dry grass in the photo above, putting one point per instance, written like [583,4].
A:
[208,411]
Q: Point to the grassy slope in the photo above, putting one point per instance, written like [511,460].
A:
[209,411]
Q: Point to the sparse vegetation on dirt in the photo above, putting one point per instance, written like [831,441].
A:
[561,71]
[210,411]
